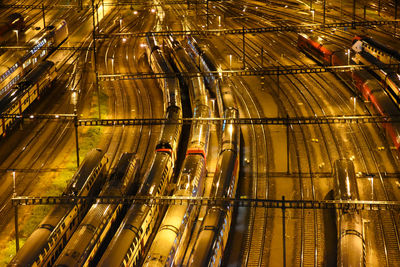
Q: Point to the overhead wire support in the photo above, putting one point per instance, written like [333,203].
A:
[271,70]
[118,4]
[248,121]
[67,48]
[187,121]
[290,28]
[207,201]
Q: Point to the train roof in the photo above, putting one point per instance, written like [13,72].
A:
[382,47]
[9,98]
[386,103]
[34,75]
[345,180]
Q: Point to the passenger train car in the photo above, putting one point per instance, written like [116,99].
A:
[210,242]
[57,227]
[350,238]
[179,219]
[368,55]
[41,46]
[381,52]
[365,83]
[206,63]
[127,246]
[19,98]
[91,232]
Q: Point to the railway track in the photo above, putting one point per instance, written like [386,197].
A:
[338,145]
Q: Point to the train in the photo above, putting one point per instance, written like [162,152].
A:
[59,224]
[174,230]
[380,51]
[379,56]
[366,84]
[351,246]
[13,22]
[206,63]
[91,232]
[19,98]
[127,246]
[41,46]
[210,242]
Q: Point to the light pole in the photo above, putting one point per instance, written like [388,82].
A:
[371,179]
[16,33]
[313,15]
[354,100]
[14,187]
[348,56]
[15,214]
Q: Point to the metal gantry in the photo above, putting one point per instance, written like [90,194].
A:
[266,71]
[208,201]
[187,121]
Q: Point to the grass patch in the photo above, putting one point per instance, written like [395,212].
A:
[89,140]
[7,252]
[54,185]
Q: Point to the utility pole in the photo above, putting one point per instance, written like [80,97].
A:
[365,10]
[354,14]
[207,14]
[15,214]
[95,58]
[287,145]
[379,8]
[395,16]
[283,231]
[262,67]
[277,80]
[76,136]
[244,50]
[44,19]
[324,16]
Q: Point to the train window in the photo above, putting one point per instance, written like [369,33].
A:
[26,63]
